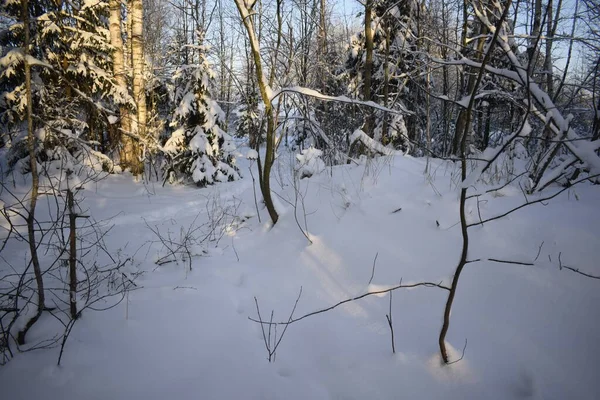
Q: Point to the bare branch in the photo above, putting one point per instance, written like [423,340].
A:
[400,286]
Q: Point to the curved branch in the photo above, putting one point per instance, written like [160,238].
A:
[400,286]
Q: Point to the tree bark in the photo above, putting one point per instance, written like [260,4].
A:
[535,33]
[139,94]
[548,58]
[386,88]
[264,92]
[34,183]
[322,47]
[116,40]
[463,191]
[368,64]
[72,254]
[462,122]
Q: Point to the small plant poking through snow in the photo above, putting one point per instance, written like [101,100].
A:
[309,163]
[193,239]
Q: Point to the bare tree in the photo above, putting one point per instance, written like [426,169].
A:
[34,183]
[245,9]
[562,135]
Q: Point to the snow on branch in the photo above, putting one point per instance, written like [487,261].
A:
[342,99]
[372,144]
[585,151]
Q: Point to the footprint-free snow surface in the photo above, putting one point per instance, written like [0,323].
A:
[530,331]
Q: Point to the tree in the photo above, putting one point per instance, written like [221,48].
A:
[245,9]
[139,127]
[73,87]
[382,65]
[57,94]
[538,104]
[198,149]
[34,181]
[124,101]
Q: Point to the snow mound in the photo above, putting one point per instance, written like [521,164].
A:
[309,163]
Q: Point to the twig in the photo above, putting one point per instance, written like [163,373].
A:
[390,323]
[272,325]
[498,188]
[528,203]
[461,357]
[234,250]
[499,261]
[539,252]
[262,328]
[290,319]
[254,191]
[373,270]
[576,270]
[400,286]
[509,262]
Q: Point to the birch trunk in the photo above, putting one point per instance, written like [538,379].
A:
[139,95]
[116,40]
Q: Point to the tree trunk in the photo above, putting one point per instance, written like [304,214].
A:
[72,254]
[535,33]
[116,40]
[139,94]
[486,132]
[596,129]
[34,183]
[368,64]
[463,192]
[264,92]
[445,85]
[462,122]
[322,47]
[548,59]
[428,122]
[386,88]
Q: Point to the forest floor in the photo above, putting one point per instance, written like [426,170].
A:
[530,331]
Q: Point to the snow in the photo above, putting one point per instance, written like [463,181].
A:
[343,99]
[186,105]
[464,102]
[563,127]
[532,330]
[200,143]
[373,145]
[252,154]
[175,141]
[309,163]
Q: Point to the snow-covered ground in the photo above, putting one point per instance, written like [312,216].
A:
[532,331]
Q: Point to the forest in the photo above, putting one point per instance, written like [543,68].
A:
[299,199]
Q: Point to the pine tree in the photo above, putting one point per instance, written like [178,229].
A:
[198,149]
[72,81]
